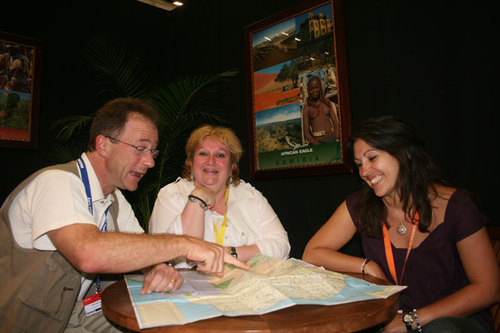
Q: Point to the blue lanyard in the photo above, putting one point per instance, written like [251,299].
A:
[85,180]
[86,184]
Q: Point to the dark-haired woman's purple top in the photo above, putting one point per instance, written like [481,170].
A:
[434,269]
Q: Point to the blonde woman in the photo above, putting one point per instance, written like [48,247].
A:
[211,202]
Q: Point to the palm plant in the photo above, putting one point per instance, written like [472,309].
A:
[182,105]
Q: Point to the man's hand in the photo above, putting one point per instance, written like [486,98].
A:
[210,257]
[161,278]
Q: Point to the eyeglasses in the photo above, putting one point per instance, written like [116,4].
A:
[139,149]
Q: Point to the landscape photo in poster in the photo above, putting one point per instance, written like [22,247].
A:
[20,67]
[16,76]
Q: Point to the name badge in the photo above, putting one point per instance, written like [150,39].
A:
[92,304]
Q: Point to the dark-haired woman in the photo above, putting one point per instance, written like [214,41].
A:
[416,231]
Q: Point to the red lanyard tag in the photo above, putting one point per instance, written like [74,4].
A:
[92,304]
[388,250]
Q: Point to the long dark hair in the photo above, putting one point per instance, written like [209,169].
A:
[417,173]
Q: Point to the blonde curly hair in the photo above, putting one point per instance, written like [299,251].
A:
[224,135]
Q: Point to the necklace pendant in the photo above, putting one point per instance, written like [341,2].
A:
[401,229]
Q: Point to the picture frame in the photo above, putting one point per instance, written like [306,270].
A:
[298,125]
[20,77]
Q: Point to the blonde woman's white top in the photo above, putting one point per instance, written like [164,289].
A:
[251,219]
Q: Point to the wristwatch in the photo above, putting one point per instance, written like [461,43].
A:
[232,251]
[194,198]
[408,319]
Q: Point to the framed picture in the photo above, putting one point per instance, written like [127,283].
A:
[298,101]
[20,68]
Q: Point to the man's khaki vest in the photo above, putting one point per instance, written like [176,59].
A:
[38,289]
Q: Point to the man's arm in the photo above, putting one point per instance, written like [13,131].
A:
[92,251]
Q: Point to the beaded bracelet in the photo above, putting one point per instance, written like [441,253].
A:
[419,328]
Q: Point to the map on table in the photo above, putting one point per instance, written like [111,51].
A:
[270,284]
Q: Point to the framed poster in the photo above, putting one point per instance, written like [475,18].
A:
[20,68]
[298,101]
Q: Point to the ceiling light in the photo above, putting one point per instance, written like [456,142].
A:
[162,4]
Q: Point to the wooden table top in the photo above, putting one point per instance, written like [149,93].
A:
[117,307]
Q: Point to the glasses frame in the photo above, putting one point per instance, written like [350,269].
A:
[141,150]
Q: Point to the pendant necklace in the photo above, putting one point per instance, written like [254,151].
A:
[401,228]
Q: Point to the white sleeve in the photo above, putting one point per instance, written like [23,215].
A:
[166,215]
[253,213]
[273,239]
[53,200]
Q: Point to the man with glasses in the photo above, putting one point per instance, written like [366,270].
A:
[67,225]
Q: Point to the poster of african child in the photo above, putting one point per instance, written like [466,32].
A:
[296,109]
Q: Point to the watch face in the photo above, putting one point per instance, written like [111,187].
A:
[408,318]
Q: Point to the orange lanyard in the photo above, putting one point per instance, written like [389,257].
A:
[219,234]
[388,250]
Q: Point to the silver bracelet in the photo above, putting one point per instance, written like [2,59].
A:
[363,265]
[194,198]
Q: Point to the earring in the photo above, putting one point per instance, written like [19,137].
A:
[229,180]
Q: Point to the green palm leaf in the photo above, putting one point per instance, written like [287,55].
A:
[71,126]
[118,74]
[182,105]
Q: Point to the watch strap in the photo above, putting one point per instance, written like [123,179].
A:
[232,251]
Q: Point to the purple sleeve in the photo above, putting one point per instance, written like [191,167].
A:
[465,216]
[351,201]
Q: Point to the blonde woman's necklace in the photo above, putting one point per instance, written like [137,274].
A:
[401,228]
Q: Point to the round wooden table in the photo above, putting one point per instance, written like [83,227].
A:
[349,317]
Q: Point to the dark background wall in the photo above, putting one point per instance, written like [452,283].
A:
[430,63]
